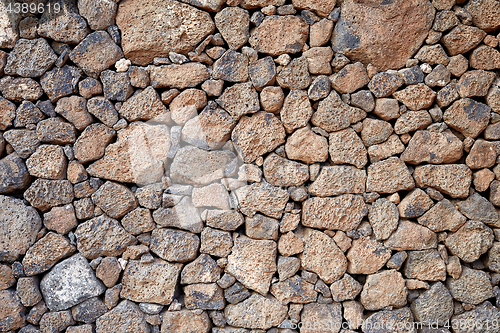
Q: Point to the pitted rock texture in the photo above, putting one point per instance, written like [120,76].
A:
[249,166]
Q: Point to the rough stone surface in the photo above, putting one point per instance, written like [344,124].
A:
[451,179]
[383,289]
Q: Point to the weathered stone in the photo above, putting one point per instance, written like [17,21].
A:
[60,82]
[414,204]
[382,176]
[197,166]
[266,40]
[366,256]
[475,83]
[468,117]
[432,54]
[116,86]
[451,179]
[346,288]
[384,84]
[433,306]
[46,253]
[99,14]
[399,320]
[350,78]
[294,290]
[136,157]
[74,109]
[70,282]
[152,282]
[55,131]
[225,220]
[8,113]
[411,236]
[479,315]
[252,262]
[239,99]
[339,213]
[28,292]
[335,115]
[470,241]
[386,108]
[215,242]
[485,14]
[271,98]
[30,58]
[174,245]
[126,317]
[462,38]
[471,287]
[383,217]
[92,142]
[433,147]
[425,265]
[305,146]
[347,147]
[213,195]
[374,36]
[336,180]
[65,25]
[412,121]
[141,44]
[319,59]
[183,215]
[485,57]
[145,105]
[96,53]
[375,131]
[8,280]
[443,216]
[102,236]
[482,155]
[257,135]
[296,110]
[295,75]
[24,142]
[231,66]
[178,76]
[329,315]
[416,97]
[185,321]
[290,244]
[322,256]
[203,270]
[19,89]
[109,271]
[12,313]
[320,88]
[19,230]
[14,175]
[233,23]
[256,312]
[279,171]
[114,199]
[45,194]
[384,289]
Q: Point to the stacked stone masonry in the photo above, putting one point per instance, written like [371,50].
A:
[249,166]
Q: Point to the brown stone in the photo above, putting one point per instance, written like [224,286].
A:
[485,57]
[485,14]
[306,146]
[279,171]
[215,242]
[136,157]
[346,288]
[443,216]
[145,105]
[174,245]
[468,117]
[178,76]
[416,97]
[414,204]
[386,108]
[451,179]
[433,147]
[470,241]
[320,32]
[152,282]
[262,197]
[475,83]
[373,36]
[19,89]
[55,131]
[257,312]
[462,38]
[277,35]
[433,55]
[257,135]
[46,253]
[45,194]
[389,176]
[294,290]
[186,105]
[337,180]
[296,110]
[322,256]
[295,75]
[145,37]
[375,131]
[12,313]
[366,256]
[92,142]
[319,59]
[411,236]
[231,67]
[252,262]
[290,244]
[271,99]
[108,271]
[74,109]
[347,147]
[483,154]
[473,286]
[185,321]
[47,162]
[392,146]
[383,217]
[96,53]
[384,289]
[126,317]
[30,58]
[233,23]
[412,121]
[239,99]
[350,78]
[425,265]
[334,115]
[114,199]
[344,212]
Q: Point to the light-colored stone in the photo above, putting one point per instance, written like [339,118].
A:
[384,289]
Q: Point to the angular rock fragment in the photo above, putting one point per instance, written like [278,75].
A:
[30,58]
[256,312]
[443,216]
[337,180]
[451,179]
[295,75]
[470,241]
[45,194]
[366,256]
[14,175]
[174,245]
[279,171]
[389,176]
[433,147]
[114,199]
[347,147]
[411,236]
[473,286]
[384,289]
[126,317]
[425,265]
[306,146]
[12,314]
[334,115]
[178,76]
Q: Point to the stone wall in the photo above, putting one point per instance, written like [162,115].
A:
[236,166]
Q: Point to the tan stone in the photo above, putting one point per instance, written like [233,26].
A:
[186,105]
[277,35]
[146,36]
[475,83]
[296,110]
[271,99]
[482,179]
[256,312]
[462,38]
[470,241]
[334,115]
[425,265]
[375,131]
[451,179]
[47,162]
[257,135]
[178,76]
[350,78]
[414,204]
[485,14]
[411,236]
[366,256]
[383,217]
[294,290]
[279,171]
[320,32]
[433,55]
[185,321]
[322,256]
[384,289]
[329,315]
[373,36]
[174,245]
[483,154]
[443,216]
[74,109]
[306,146]
[412,121]
[473,286]
[346,288]
[152,282]
[253,263]
[485,57]
[344,212]
[295,75]
[468,117]
[233,23]
[319,59]
[347,147]
[337,180]
[433,147]
[92,142]
[145,105]
[109,271]
[389,176]
[289,244]
[416,97]
[391,147]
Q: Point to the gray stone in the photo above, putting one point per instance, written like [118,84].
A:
[433,306]
[473,286]
[14,175]
[174,245]
[30,58]
[124,318]
[45,194]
